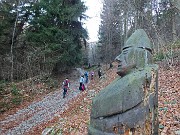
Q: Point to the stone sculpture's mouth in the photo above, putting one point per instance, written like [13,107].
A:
[123,70]
[119,65]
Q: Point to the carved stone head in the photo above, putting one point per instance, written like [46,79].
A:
[128,104]
[136,53]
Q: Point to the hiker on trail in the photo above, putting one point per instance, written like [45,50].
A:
[86,76]
[110,65]
[89,65]
[99,73]
[92,75]
[81,82]
[99,65]
[65,87]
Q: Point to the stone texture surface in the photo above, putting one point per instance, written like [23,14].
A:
[129,104]
[136,53]
[120,104]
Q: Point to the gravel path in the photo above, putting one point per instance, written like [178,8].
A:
[38,112]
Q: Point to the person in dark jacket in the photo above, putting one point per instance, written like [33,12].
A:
[65,87]
[99,73]
[86,76]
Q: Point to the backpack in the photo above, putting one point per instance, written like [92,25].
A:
[65,82]
[86,74]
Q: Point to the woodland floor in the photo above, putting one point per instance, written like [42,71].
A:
[70,116]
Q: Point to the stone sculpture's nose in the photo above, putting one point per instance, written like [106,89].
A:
[119,58]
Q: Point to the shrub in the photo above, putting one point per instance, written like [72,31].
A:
[16,100]
[3,85]
[51,83]
[159,56]
[14,90]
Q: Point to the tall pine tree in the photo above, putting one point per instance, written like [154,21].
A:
[56,29]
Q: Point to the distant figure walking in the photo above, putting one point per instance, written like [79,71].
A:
[86,76]
[110,65]
[99,73]
[65,87]
[92,75]
[81,83]
[89,65]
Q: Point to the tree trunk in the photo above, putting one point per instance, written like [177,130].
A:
[125,26]
[174,38]
[12,45]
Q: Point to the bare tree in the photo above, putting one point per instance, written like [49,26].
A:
[12,42]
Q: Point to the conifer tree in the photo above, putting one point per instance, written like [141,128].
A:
[56,29]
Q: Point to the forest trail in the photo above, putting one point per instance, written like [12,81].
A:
[70,116]
[39,112]
[75,120]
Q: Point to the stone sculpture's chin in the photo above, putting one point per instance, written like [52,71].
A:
[120,73]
